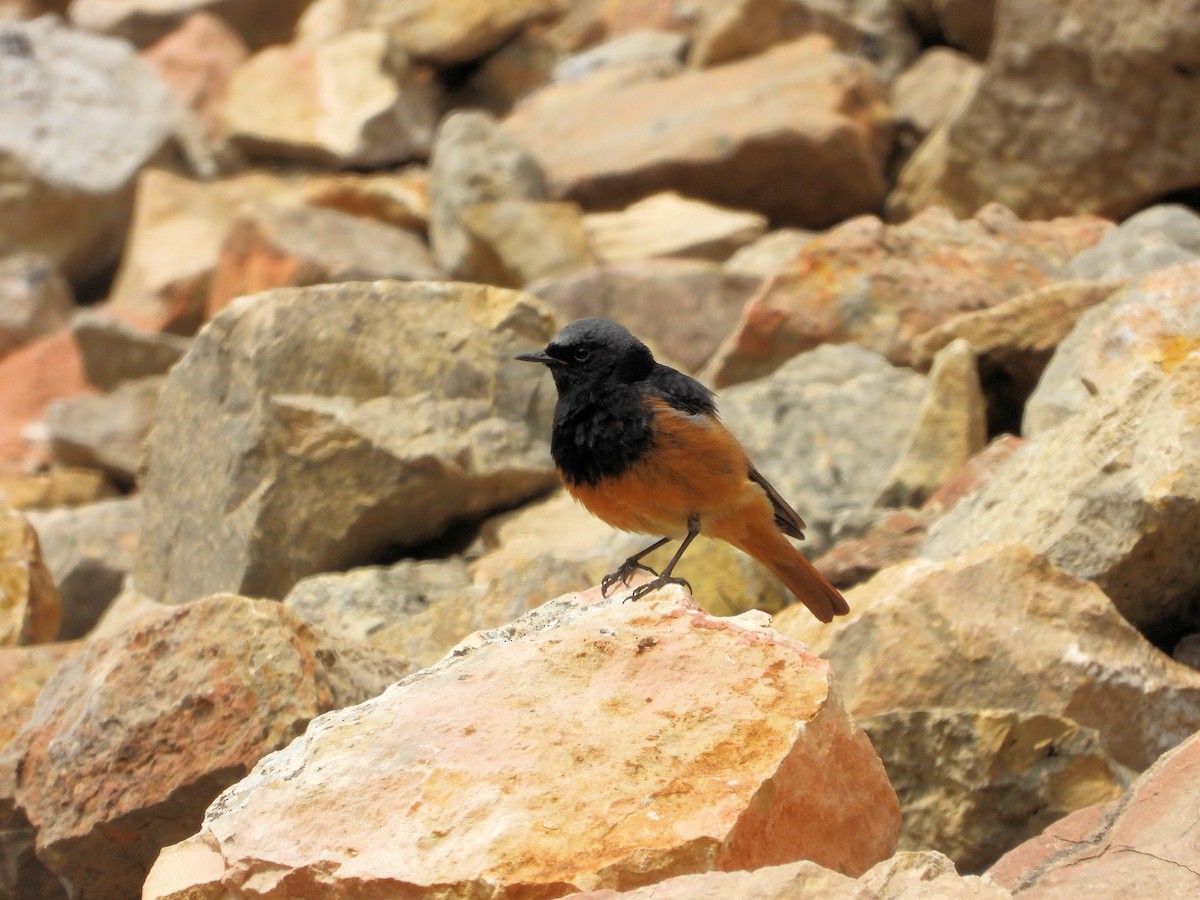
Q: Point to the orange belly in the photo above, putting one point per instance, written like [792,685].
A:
[694,468]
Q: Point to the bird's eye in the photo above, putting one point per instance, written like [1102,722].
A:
[582,353]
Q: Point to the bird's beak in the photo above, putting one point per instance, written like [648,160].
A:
[540,357]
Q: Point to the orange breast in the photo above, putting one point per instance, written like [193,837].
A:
[694,467]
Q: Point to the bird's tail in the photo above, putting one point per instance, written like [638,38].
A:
[771,548]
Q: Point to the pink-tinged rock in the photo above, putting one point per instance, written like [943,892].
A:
[894,538]
[586,745]
[884,285]
[133,738]
[973,474]
[196,61]
[1001,627]
[1143,845]
[31,378]
[799,133]
[30,607]
[24,671]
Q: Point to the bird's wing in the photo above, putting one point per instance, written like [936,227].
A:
[786,518]
[682,392]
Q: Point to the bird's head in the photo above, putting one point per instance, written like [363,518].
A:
[591,351]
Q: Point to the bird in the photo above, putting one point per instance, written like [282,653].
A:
[640,445]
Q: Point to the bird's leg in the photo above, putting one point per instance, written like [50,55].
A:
[628,567]
[665,578]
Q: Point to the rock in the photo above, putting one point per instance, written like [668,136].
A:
[767,255]
[81,116]
[1068,97]
[24,671]
[137,734]
[474,162]
[1187,651]
[55,487]
[128,606]
[951,427]
[514,242]
[798,133]
[399,199]
[685,308]
[974,783]
[30,611]
[928,91]
[257,22]
[971,477]
[35,301]
[826,429]
[896,537]
[1014,341]
[89,551]
[968,24]
[595,676]
[1109,496]
[877,30]
[1163,235]
[1138,845]
[450,33]
[283,246]
[905,875]
[505,77]
[356,100]
[114,352]
[105,431]
[1148,326]
[178,227]
[1001,627]
[196,61]
[316,429]
[662,50]
[31,378]
[884,285]
[668,224]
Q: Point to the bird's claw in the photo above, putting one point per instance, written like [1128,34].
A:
[651,586]
[622,575]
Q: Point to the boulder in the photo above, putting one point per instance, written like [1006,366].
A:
[683,307]
[884,285]
[35,300]
[30,610]
[721,734]
[1069,96]
[951,428]
[81,116]
[136,735]
[115,352]
[474,162]
[892,538]
[1149,325]
[799,133]
[661,50]
[355,100]
[1164,235]
[1001,628]
[1139,845]
[105,431]
[928,93]
[514,242]
[399,199]
[1111,495]
[179,225]
[770,253]
[974,783]
[826,429]
[282,246]
[89,551]
[257,22]
[55,487]
[505,77]
[317,429]
[668,224]
[32,378]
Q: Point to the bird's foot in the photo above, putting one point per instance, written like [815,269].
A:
[651,586]
[622,575]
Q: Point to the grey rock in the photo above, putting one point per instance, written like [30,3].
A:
[1155,238]
[35,300]
[79,116]
[114,352]
[825,429]
[89,551]
[105,431]
[1111,495]
[316,429]
[474,161]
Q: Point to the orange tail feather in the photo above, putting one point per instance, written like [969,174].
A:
[767,545]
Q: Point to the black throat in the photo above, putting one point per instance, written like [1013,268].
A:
[600,431]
